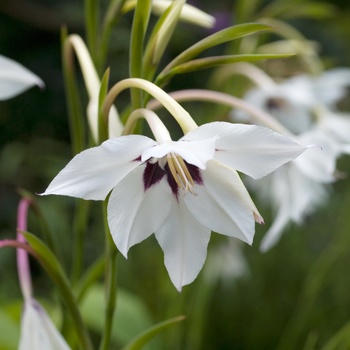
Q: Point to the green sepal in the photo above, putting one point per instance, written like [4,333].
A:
[142,339]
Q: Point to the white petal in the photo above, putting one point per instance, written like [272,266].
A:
[332,85]
[37,330]
[133,213]
[337,125]
[253,150]
[184,242]
[194,152]
[14,78]
[275,232]
[115,126]
[223,204]
[94,172]
[188,14]
[317,163]
[294,196]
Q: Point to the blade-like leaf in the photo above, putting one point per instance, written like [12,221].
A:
[289,9]
[215,39]
[208,62]
[145,337]
[316,10]
[138,32]
[160,37]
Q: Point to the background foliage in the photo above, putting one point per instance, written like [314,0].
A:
[295,296]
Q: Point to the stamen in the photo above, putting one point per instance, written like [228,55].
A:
[180,172]
[185,169]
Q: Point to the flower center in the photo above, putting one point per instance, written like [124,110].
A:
[180,172]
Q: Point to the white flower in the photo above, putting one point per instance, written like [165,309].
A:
[15,79]
[304,104]
[181,191]
[297,188]
[37,330]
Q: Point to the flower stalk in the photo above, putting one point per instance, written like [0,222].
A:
[176,110]
[257,115]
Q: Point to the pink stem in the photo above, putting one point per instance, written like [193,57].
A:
[23,266]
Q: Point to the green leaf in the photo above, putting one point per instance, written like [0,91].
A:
[138,31]
[290,9]
[92,274]
[140,341]
[160,37]
[317,10]
[215,39]
[9,334]
[245,9]
[340,340]
[208,62]
[131,318]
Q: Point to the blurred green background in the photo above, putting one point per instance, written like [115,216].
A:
[296,296]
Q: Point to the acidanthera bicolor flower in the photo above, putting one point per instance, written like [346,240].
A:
[305,105]
[178,190]
[37,330]
[15,79]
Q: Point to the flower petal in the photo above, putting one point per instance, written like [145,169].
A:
[318,164]
[275,232]
[94,172]
[37,330]
[115,126]
[253,150]
[15,79]
[294,195]
[195,152]
[223,204]
[134,214]
[184,242]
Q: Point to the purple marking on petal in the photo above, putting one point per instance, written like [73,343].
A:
[195,173]
[152,175]
[171,181]
[138,159]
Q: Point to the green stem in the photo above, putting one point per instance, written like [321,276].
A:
[257,115]
[110,283]
[111,16]
[139,27]
[91,24]
[182,117]
[79,229]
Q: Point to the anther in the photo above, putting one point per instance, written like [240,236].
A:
[180,172]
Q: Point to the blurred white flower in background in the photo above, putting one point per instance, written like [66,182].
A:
[307,106]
